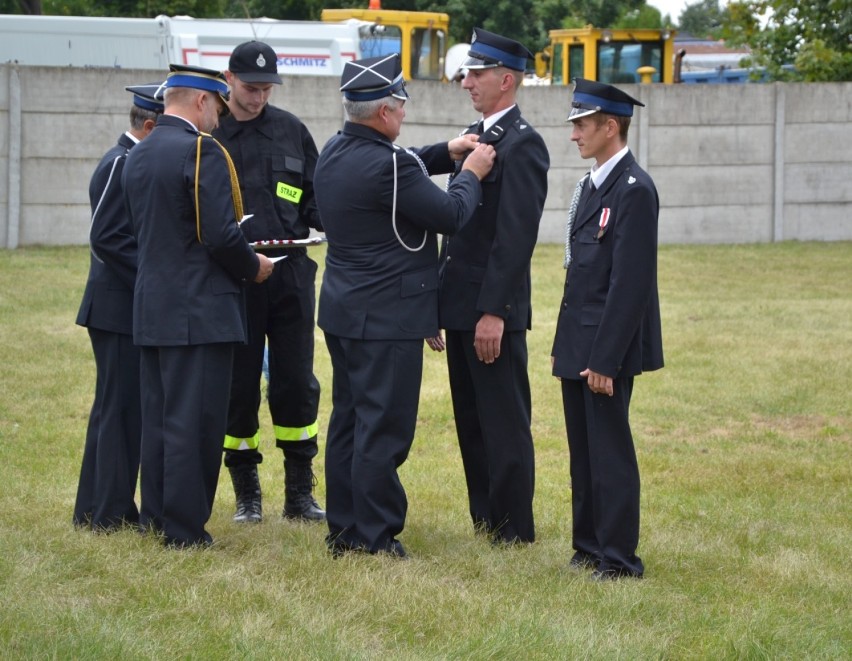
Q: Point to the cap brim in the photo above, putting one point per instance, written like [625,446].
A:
[577,113]
[477,63]
[273,78]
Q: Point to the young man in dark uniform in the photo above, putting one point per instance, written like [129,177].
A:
[379,299]
[608,329]
[274,155]
[108,476]
[189,301]
[485,299]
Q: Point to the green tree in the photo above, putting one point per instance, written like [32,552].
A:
[702,19]
[643,16]
[134,8]
[812,35]
[20,6]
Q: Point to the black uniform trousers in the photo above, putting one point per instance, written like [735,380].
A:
[184,412]
[375,394]
[604,474]
[107,486]
[281,309]
[492,408]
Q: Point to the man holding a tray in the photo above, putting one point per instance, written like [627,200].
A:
[274,155]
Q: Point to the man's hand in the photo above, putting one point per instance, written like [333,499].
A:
[480,161]
[436,343]
[264,270]
[598,383]
[486,340]
[459,147]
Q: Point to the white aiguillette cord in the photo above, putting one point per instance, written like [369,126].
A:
[393,217]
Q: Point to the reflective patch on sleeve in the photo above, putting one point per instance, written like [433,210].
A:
[289,193]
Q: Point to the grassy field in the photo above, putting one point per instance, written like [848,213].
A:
[743,442]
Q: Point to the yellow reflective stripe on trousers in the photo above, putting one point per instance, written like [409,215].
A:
[235,443]
[296,433]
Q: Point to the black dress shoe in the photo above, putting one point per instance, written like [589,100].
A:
[205,542]
[394,549]
[582,560]
[613,574]
[339,548]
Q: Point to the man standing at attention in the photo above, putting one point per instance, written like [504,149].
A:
[107,486]
[608,330]
[189,301]
[485,299]
[274,155]
[379,299]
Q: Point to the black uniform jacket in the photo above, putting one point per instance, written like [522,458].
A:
[486,266]
[187,291]
[275,157]
[609,320]
[107,303]
[374,287]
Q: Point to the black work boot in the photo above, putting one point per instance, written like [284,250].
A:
[299,501]
[247,491]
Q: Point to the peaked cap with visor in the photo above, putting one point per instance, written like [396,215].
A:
[373,78]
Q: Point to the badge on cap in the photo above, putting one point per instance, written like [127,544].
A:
[261,61]
[373,78]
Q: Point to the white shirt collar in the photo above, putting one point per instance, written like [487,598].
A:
[132,137]
[600,173]
[493,119]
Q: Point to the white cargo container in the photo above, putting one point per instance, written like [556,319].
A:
[303,47]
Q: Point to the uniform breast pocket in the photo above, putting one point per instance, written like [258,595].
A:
[287,177]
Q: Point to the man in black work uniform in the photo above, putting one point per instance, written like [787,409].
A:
[189,301]
[379,299]
[608,329]
[275,156]
[485,299]
[110,468]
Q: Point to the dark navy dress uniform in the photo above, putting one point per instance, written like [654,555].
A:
[275,157]
[110,467]
[486,269]
[189,311]
[609,322]
[378,301]
[107,485]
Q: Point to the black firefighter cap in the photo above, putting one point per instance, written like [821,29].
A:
[591,97]
[489,50]
[373,78]
[254,62]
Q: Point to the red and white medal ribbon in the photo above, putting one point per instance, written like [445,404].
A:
[604,219]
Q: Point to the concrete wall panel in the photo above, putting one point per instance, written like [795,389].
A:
[818,222]
[818,142]
[712,145]
[817,183]
[706,105]
[720,224]
[59,181]
[715,185]
[821,103]
[87,139]
[714,151]
[54,224]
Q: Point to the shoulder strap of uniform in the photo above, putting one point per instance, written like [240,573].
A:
[235,183]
